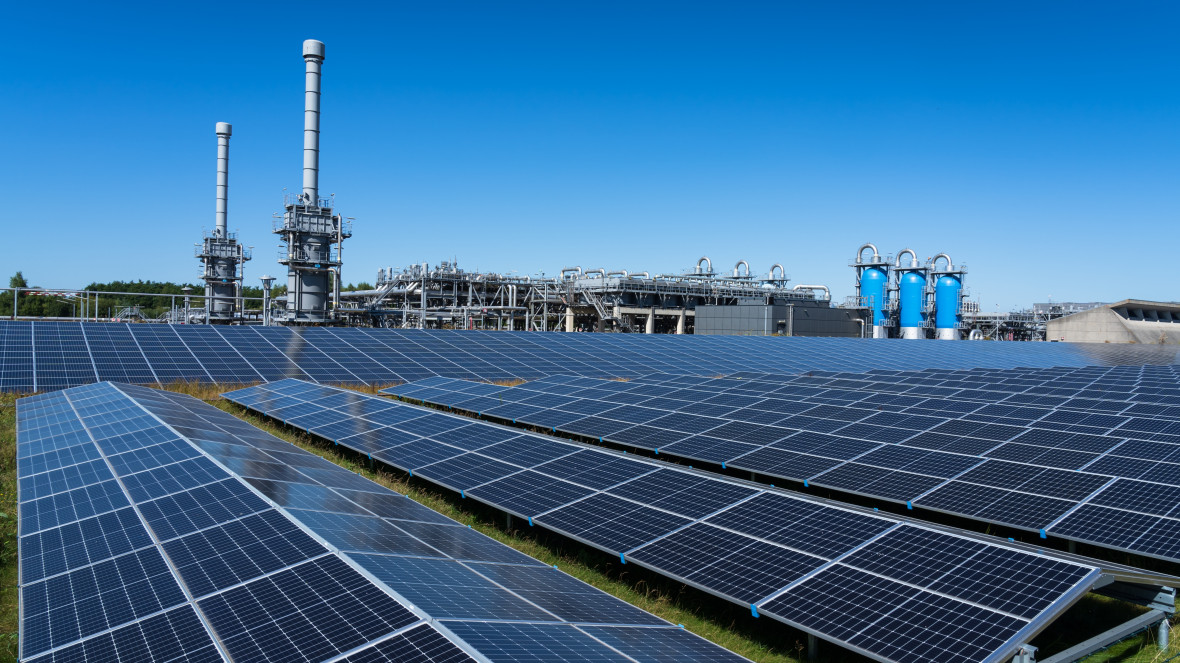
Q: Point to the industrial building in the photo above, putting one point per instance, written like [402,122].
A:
[1127,321]
[592,300]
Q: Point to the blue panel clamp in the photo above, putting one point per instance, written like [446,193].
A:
[462,494]
[622,559]
[1043,535]
[754,610]
[805,484]
[531,524]
[909,505]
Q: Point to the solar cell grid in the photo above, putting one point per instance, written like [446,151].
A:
[620,526]
[225,562]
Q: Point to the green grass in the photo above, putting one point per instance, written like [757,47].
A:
[761,640]
[9,593]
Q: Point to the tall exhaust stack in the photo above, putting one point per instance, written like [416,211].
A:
[313,58]
[224,131]
[311,233]
[221,255]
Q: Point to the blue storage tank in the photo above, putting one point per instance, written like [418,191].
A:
[946,302]
[872,285]
[911,285]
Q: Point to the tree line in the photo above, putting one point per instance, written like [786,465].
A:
[158,297]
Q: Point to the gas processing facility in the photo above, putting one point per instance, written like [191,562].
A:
[795,470]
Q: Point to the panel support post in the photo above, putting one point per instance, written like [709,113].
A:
[1162,637]
[812,647]
[508,522]
[1027,654]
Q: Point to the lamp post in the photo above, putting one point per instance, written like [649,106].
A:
[267,280]
[187,291]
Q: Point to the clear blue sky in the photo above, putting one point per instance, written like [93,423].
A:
[1037,142]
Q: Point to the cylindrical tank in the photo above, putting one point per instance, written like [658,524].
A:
[872,288]
[911,317]
[946,306]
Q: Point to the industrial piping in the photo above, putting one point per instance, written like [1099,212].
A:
[827,293]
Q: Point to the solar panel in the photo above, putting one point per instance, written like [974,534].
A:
[45,355]
[931,454]
[156,527]
[756,547]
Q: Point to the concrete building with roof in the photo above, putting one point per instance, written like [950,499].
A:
[1127,321]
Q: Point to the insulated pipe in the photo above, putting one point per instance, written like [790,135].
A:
[570,270]
[600,271]
[913,258]
[827,293]
[782,273]
[643,274]
[224,131]
[618,272]
[737,266]
[335,287]
[313,56]
[705,259]
[876,256]
[950,266]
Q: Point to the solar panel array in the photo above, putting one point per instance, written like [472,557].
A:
[1090,455]
[44,356]
[881,586]
[156,527]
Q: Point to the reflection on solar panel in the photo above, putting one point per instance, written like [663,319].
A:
[156,527]
[874,584]
[1081,454]
[42,356]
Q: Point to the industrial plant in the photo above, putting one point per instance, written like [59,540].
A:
[893,298]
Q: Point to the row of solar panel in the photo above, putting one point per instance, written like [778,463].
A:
[874,584]
[156,527]
[42,356]
[1131,390]
[926,452]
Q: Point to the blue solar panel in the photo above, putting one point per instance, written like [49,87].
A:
[165,550]
[749,545]
[945,448]
[43,355]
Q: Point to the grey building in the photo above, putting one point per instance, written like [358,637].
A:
[789,319]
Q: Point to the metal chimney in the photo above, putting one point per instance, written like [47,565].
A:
[310,230]
[224,131]
[221,256]
[313,57]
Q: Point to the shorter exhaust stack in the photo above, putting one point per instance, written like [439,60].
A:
[221,255]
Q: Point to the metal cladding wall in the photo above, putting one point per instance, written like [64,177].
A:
[766,319]
[872,286]
[946,302]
